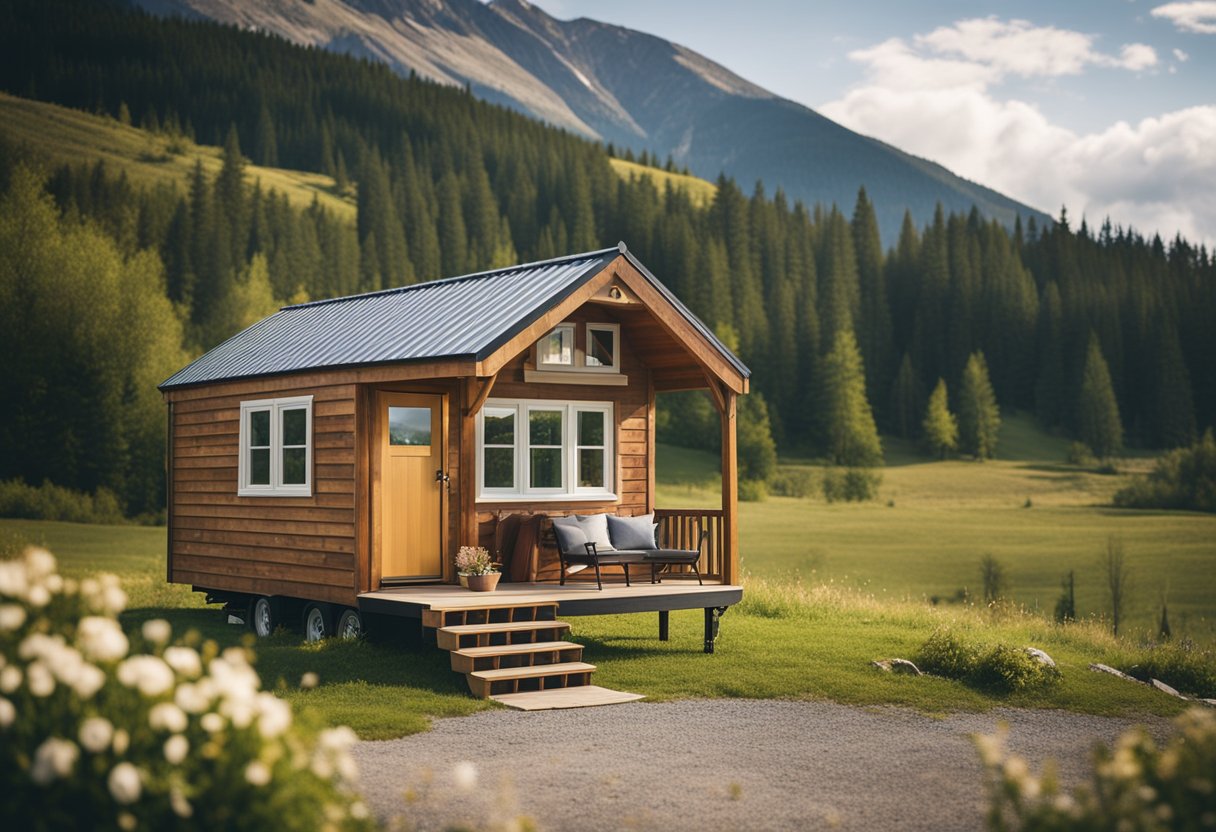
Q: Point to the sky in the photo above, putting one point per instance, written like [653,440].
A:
[1107,107]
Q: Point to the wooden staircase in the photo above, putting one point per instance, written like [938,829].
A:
[517,655]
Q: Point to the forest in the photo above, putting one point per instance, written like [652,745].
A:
[106,288]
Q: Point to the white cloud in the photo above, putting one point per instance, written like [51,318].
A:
[933,97]
[1181,56]
[1198,16]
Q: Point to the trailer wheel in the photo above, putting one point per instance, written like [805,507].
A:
[318,622]
[350,625]
[263,616]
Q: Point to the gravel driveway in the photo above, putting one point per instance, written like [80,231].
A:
[712,764]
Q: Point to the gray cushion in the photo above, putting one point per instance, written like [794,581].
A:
[595,527]
[570,536]
[632,532]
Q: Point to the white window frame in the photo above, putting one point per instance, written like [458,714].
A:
[568,331]
[615,367]
[276,487]
[570,489]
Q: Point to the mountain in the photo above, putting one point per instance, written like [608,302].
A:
[622,86]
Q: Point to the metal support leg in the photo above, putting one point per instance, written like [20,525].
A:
[712,617]
[627,575]
[664,620]
[599,582]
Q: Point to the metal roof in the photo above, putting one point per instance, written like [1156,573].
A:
[459,317]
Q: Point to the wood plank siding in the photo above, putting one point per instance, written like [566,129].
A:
[299,546]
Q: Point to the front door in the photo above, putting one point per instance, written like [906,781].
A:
[412,485]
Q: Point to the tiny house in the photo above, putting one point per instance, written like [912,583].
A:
[340,451]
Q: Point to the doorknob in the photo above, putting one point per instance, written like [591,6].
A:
[440,476]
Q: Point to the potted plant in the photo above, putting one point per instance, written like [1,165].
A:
[476,570]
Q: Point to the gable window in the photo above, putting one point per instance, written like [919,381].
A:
[276,448]
[536,449]
[557,348]
[603,347]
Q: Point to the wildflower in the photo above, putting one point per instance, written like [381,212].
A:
[167,717]
[147,673]
[464,775]
[101,639]
[95,734]
[212,723]
[38,596]
[88,681]
[10,679]
[358,810]
[55,758]
[184,660]
[40,679]
[13,579]
[309,680]
[111,597]
[176,748]
[39,563]
[11,616]
[7,713]
[127,822]
[125,783]
[191,698]
[181,807]
[121,740]
[257,774]
[157,631]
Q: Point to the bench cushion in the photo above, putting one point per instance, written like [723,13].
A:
[674,555]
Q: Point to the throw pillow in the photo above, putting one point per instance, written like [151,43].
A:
[632,532]
[570,536]
[595,526]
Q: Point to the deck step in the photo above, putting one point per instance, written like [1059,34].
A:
[515,655]
[485,683]
[584,696]
[512,632]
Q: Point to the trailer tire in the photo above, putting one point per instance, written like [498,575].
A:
[318,622]
[264,615]
[350,625]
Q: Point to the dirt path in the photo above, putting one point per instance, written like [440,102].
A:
[712,764]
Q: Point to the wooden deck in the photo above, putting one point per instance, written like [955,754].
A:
[411,601]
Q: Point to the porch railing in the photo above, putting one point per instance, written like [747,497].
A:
[680,527]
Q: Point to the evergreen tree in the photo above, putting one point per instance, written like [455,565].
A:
[266,141]
[979,418]
[940,427]
[1170,403]
[907,396]
[850,435]
[1097,412]
[874,336]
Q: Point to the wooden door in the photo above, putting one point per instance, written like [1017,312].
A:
[413,485]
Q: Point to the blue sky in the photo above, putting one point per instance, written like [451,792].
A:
[1107,106]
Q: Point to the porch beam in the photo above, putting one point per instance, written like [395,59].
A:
[715,392]
[730,489]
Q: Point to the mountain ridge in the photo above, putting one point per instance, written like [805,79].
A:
[623,86]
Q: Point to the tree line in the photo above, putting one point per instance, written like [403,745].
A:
[846,338]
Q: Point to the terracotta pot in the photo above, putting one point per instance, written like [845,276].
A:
[484,583]
[464,581]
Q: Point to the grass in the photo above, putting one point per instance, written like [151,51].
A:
[700,191]
[70,136]
[829,588]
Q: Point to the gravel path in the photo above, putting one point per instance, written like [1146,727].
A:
[713,764]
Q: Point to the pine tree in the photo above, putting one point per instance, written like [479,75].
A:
[850,435]
[874,333]
[1098,421]
[940,427]
[266,141]
[907,396]
[979,418]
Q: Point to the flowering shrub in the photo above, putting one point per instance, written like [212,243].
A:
[474,560]
[1135,786]
[100,733]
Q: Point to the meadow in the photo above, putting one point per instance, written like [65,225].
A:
[828,589]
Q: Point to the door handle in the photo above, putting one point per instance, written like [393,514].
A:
[442,477]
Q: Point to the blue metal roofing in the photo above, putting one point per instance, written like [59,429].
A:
[460,317]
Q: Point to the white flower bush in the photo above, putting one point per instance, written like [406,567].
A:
[100,733]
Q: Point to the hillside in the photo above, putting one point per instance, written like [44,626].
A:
[700,191]
[622,86]
[65,136]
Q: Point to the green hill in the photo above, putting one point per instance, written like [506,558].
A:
[700,191]
[62,135]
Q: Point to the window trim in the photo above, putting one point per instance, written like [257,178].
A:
[615,329]
[276,487]
[570,490]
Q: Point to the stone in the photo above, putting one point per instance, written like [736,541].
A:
[1040,656]
[897,666]
[1164,688]
[1105,668]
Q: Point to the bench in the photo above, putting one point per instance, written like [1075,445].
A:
[592,557]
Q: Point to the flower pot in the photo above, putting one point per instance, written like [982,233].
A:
[464,580]
[484,583]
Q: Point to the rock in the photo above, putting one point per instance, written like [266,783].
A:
[1105,668]
[1040,656]
[897,666]
[1164,688]
[1211,703]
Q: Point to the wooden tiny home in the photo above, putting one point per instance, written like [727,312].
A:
[343,449]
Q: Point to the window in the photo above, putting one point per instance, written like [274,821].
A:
[531,449]
[557,348]
[603,347]
[276,448]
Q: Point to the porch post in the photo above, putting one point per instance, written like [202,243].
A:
[467,523]
[730,489]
